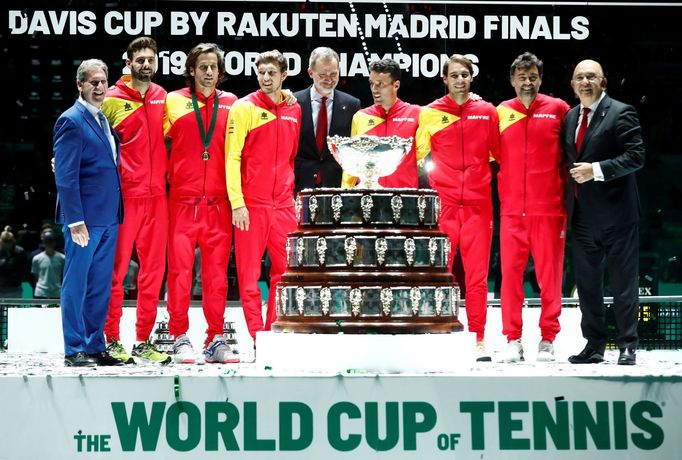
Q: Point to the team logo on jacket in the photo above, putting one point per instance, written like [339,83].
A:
[370,122]
[189,106]
[127,107]
[512,117]
[264,115]
[444,120]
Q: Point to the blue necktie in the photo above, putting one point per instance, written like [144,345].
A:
[103,122]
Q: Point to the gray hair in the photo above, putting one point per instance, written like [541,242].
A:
[322,53]
[88,65]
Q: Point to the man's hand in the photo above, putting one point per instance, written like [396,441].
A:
[289,97]
[475,97]
[80,235]
[240,218]
[582,172]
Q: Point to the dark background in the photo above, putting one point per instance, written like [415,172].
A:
[638,46]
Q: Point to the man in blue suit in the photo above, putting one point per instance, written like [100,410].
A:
[314,165]
[89,205]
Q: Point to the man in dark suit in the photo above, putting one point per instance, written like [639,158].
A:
[89,205]
[314,164]
[603,145]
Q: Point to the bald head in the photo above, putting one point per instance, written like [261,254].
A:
[588,81]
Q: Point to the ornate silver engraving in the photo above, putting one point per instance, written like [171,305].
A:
[312,206]
[455,300]
[325,299]
[447,247]
[366,204]
[433,247]
[436,207]
[381,247]
[409,251]
[278,300]
[321,247]
[299,251]
[396,206]
[298,206]
[288,249]
[337,204]
[439,300]
[300,297]
[285,299]
[350,246]
[421,207]
[415,298]
[355,301]
[386,300]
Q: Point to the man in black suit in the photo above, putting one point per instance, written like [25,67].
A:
[603,145]
[314,165]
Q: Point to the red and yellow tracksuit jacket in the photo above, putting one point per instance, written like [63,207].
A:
[532,182]
[402,120]
[262,142]
[462,139]
[198,207]
[138,121]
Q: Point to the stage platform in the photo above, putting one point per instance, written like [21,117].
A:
[343,396]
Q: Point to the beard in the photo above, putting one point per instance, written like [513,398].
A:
[139,76]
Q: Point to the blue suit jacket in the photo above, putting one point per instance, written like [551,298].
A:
[88,181]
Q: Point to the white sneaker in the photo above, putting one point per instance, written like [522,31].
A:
[514,352]
[218,351]
[481,354]
[545,351]
[183,352]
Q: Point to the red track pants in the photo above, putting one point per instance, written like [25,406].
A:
[471,228]
[146,227]
[208,223]
[544,238]
[268,228]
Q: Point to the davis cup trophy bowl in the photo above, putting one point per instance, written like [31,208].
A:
[369,157]
[367,259]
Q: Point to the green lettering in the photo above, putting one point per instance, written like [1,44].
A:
[410,424]
[128,428]
[656,435]
[477,409]
[334,426]
[544,423]
[598,427]
[251,441]
[508,425]
[229,414]
[372,426]
[620,427]
[287,410]
[193,426]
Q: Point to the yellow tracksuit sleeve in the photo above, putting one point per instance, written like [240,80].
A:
[238,127]
[348,181]
[423,136]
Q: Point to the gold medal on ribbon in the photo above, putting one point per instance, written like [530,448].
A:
[205,156]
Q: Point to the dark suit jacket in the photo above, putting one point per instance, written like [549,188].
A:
[88,181]
[308,161]
[614,139]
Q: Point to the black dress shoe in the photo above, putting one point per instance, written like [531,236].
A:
[79,359]
[105,359]
[627,357]
[588,356]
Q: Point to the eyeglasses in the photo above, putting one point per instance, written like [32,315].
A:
[591,77]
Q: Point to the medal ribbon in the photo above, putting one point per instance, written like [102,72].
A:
[205,137]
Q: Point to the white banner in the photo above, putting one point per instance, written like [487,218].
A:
[330,417]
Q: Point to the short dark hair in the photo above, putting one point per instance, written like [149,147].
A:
[458,59]
[193,57]
[524,62]
[273,57]
[388,66]
[141,43]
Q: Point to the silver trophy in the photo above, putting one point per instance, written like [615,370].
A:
[369,157]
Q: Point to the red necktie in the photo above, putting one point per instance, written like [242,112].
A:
[321,132]
[581,130]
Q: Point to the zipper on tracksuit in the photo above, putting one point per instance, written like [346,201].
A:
[525,162]
[461,124]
